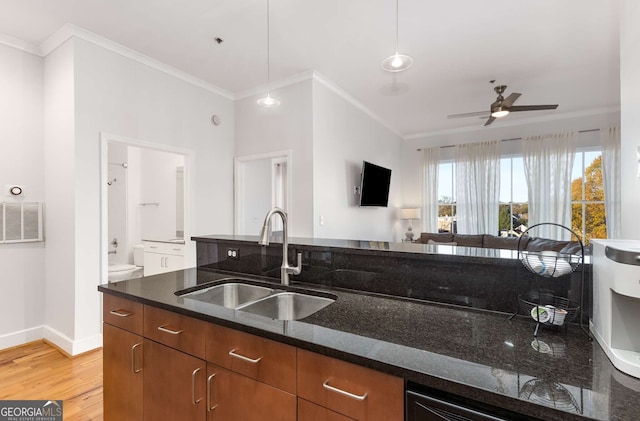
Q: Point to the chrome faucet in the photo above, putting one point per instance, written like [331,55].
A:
[285,269]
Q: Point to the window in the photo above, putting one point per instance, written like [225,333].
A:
[447,196]
[588,217]
[514,210]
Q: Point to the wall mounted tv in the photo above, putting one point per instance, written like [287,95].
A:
[374,188]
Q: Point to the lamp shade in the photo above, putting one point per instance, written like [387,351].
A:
[410,213]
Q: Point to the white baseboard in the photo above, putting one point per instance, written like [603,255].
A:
[69,346]
[21,337]
[58,339]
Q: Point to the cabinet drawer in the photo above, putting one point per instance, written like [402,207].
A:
[354,391]
[175,330]
[261,359]
[123,313]
[154,247]
[308,411]
[175,249]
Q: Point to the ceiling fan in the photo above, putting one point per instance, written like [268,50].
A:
[503,106]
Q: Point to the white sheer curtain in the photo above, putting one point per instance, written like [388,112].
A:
[478,187]
[548,161]
[611,178]
[431,160]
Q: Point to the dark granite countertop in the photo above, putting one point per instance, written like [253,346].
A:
[478,355]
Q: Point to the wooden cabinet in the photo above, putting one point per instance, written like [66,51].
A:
[175,330]
[233,396]
[308,411]
[122,359]
[351,390]
[161,365]
[162,257]
[174,384]
[122,374]
[266,361]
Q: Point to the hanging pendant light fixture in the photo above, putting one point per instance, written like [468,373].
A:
[267,101]
[397,62]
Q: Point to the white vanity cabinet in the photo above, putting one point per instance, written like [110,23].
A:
[161,257]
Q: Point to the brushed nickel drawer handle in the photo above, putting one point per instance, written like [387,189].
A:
[193,386]
[165,328]
[209,407]
[134,370]
[121,313]
[243,358]
[343,392]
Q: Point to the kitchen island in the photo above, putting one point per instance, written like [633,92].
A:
[476,358]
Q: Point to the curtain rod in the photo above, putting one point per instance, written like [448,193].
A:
[514,138]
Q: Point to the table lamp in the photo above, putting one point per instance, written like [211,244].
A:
[410,214]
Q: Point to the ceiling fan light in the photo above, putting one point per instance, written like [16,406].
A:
[268,102]
[499,112]
[397,63]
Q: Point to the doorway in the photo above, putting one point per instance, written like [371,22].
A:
[261,183]
[144,197]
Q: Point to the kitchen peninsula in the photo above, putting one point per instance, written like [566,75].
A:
[471,356]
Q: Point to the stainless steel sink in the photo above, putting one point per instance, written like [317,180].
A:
[287,305]
[230,295]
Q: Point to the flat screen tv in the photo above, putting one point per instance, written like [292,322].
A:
[374,188]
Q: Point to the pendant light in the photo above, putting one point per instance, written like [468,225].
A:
[397,62]
[267,101]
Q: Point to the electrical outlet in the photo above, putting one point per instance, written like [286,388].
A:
[233,253]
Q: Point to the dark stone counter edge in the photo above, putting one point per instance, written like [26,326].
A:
[405,250]
[463,390]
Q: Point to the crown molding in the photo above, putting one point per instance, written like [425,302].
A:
[315,75]
[353,101]
[533,120]
[68,30]
[281,83]
[19,44]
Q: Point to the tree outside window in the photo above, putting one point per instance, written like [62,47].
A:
[588,217]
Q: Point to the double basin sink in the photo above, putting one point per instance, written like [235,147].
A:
[262,298]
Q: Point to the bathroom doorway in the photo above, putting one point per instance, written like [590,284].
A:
[261,182]
[144,197]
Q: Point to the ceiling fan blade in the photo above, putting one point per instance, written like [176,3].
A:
[508,101]
[532,107]
[463,115]
[491,119]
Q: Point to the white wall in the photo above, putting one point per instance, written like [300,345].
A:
[630,110]
[158,170]
[256,196]
[89,90]
[344,136]
[60,197]
[289,126]
[412,159]
[117,175]
[21,163]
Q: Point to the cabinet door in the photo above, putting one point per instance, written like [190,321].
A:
[174,384]
[308,411]
[172,263]
[234,397]
[122,374]
[349,389]
[153,263]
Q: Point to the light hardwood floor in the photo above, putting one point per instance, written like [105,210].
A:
[39,371]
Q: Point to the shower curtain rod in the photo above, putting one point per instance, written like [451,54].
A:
[514,138]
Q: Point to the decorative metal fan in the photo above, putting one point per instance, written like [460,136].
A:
[503,106]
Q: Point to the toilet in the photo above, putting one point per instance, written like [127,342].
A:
[120,272]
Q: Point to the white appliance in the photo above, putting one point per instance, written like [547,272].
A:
[616,302]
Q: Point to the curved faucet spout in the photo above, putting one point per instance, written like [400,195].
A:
[285,269]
